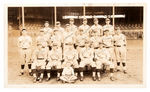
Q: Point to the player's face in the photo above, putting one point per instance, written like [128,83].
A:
[95,22]
[41,33]
[58,25]
[39,47]
[106,33]
[67,28]
[24,32]
[107,22]
[71,22]
[84,22]
[118,31]
[68,65]
[46,24]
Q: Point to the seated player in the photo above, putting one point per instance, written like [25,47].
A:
[68,74]
[87,56]
[120,49]
[102,57]
[39,62]
[54,58]
[71,55]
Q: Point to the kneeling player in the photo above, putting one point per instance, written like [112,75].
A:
[38,65]
[102,57]
[54,58]
[87,56]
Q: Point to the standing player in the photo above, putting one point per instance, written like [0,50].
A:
[71,56]
[54,58]
[85,27]
[39,61]
[24,44]
[48,32]
[87,55]
[41,39]
[107,39]
[57,38]
[96,28]
[108,26]
[102,57]
[72,27]
[120,49]
[80,40]
[68,37]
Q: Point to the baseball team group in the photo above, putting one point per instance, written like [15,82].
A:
[69,50]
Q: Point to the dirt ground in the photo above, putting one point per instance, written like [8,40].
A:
[134,66]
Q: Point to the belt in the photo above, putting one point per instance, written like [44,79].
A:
[107,47]
[117,45]
[24,48]
[40,58]
[96,47]
[82,46]
[67,44]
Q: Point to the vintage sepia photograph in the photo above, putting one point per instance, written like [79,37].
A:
[83,44]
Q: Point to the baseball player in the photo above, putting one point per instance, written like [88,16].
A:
[68,74]
[68,37]
[120,49]
[71,55]
[80,40]
[85,27]
[58,27]
[108,26]
[39,61]
[102,57]
[47,30]
[41,39]
[108,40]
[57,38]
[54,58]
[72,27]
[87,55]
[95,40]
[24,44]
[96,28]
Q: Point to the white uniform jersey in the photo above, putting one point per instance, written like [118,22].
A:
[24,41]
[120,39]
[87,52]
[95,40]
[85,29]
[73,28]
[42,40]
[102,54]
[110,28]
[107,40]
[97,29]
[48,32]
[70,54]
[55,54]
[57,38]
[40,54]
[80,39]
[68,71]
[68,37]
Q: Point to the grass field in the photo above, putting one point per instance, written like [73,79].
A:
[134,66]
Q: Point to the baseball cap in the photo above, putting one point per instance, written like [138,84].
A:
[57,23]
[46,22]
[71,19]
[107,19]
[41,30]
[95,19]
[84,19]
